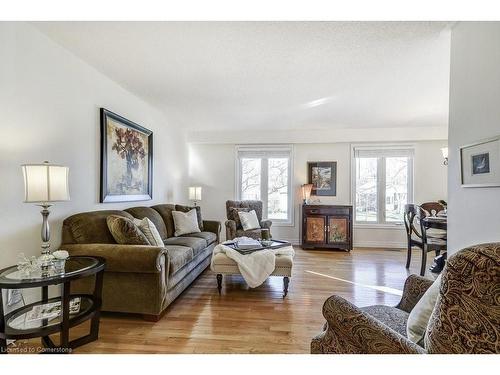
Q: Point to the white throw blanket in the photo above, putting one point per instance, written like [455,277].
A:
[255,267]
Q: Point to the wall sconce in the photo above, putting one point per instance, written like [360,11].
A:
[306,192]
[444,151]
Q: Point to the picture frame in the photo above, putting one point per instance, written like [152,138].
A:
[323,176]
[480,163]
[126,160]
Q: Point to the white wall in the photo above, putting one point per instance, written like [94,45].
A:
[212,166]
[474,115]
[49,110]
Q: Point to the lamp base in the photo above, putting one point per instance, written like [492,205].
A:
[45,232]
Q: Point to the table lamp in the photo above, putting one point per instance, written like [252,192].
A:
[43,184]
[195,194]
[306,192]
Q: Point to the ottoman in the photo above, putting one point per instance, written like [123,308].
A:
[222,265]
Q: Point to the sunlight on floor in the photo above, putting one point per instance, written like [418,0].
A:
[384,289]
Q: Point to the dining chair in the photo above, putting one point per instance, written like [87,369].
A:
[416,234]
[433,208]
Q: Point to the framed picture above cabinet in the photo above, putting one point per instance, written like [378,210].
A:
[323,177]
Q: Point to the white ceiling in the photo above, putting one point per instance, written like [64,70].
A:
[284,75]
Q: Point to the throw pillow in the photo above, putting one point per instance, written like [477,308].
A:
[182,208]
[233,215]
[421,313]
[149,229]
[185,223]
[125,232]
[249,220]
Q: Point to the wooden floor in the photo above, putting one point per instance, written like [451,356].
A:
[259,320]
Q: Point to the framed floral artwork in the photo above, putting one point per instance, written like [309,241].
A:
[126,160]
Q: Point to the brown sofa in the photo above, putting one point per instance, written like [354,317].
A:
[233,225]
[465,319]
[141,279]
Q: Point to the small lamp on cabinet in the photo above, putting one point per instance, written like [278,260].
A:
[306,192]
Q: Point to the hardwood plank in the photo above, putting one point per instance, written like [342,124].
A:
[245,320]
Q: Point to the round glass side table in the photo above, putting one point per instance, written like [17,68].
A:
[52,315]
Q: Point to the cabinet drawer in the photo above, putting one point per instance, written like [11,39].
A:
[327,210]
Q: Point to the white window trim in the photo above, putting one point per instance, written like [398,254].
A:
[262,149]
[411,183]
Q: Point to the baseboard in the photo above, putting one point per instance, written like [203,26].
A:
[293,241]
[381,244]
[378,244]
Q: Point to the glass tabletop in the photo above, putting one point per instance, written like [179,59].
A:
[73,266]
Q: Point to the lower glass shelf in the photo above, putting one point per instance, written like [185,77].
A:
[23,323]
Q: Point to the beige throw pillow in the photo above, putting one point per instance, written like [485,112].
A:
[125,232]
[421,313]
[185,223]
[149,229]
[249,220]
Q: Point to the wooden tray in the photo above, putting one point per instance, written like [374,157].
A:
[277,244]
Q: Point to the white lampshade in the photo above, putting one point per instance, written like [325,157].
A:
[45,183]
[444,151]
[195,193]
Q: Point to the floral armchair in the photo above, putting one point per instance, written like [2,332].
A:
[233,224]
[465,319]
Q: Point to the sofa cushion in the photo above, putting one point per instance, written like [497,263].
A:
[178,257]
[179,207]
[421,313]
[90,227]
[392,317]
[207,236]
[196,244]
[151,214]
[165,211]
[249,220]
[234,214]
[149,229]
[125,232]
[185,222]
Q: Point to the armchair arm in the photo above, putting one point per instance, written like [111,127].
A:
[266,224]
[350,330]
[414,289]
[124,258]
[212,226]
[230,229]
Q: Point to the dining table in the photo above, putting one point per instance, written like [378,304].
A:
[440,221]
[436,222]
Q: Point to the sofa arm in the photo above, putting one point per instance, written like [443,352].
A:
[350,330]
[414,289]
[212,226]
[230,229]
[124,258]
[266,224]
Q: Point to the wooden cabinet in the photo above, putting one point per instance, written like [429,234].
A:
[326,226]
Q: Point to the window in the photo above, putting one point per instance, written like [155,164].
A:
[264,173]
[383,184]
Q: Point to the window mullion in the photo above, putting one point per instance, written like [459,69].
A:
[381,190]
[264,173]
